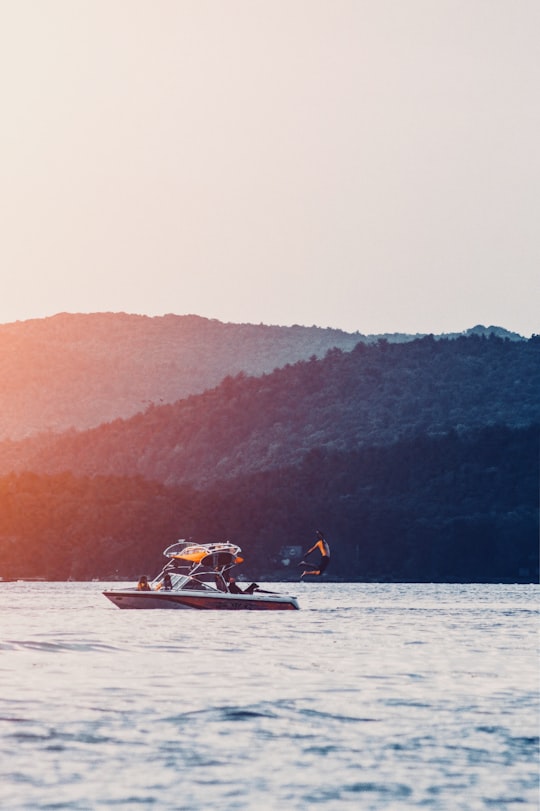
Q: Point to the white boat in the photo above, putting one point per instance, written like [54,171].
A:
[197,576]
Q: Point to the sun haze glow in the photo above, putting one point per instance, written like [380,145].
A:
[364,164]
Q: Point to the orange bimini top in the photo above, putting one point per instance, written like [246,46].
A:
[192,553]
[196,553]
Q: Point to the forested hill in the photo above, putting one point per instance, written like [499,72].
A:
[75,370]
[374,395]
[452,508]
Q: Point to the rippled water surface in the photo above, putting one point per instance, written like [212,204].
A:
[370,697]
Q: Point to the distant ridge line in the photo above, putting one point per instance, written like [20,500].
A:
[78,371]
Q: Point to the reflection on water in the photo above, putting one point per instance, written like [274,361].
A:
[372,697]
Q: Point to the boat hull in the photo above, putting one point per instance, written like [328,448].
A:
[185,599]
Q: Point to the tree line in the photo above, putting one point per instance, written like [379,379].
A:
[373,395]
[451,507]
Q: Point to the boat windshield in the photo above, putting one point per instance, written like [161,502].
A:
[180,582]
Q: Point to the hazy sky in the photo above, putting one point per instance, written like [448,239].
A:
[372,165]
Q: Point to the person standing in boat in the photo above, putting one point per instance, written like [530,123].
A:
[322,545]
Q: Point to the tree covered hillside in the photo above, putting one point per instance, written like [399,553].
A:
[374,395]
[445,508]
[81,370]
[78,371]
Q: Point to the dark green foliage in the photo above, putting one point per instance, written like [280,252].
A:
[441,508]
[60,526]
[75,370]
[419,460]
[447,508]
[81,370]
[374,395]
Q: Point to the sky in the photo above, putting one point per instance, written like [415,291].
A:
[370,165]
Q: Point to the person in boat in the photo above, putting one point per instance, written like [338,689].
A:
[322,545]
[167,582]
[143,584]
[234,588]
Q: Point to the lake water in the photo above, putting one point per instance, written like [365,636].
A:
[370,697]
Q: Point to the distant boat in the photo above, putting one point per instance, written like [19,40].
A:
[194,577]
[31,580]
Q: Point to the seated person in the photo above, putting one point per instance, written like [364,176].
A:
[167,582]
[234,589]
[143,584]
